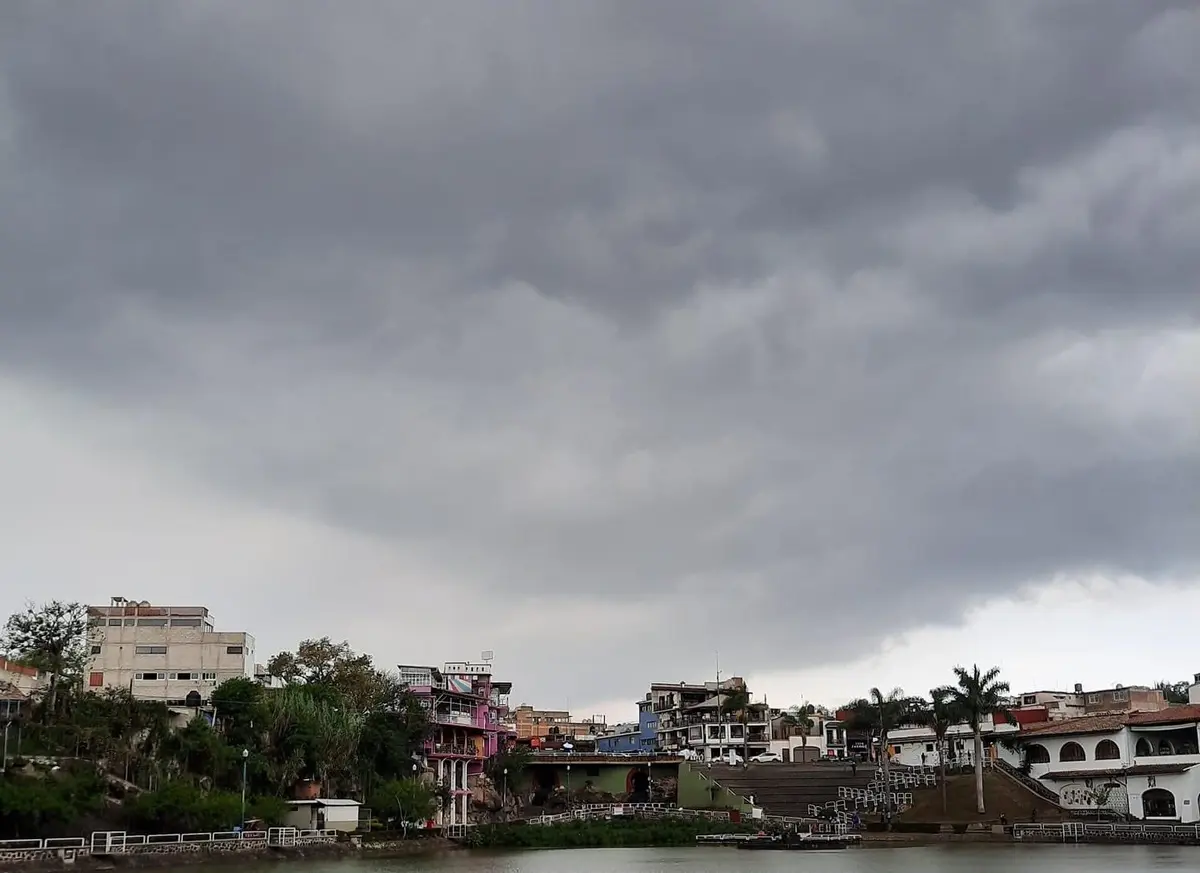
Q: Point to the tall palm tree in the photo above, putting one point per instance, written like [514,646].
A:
[977,694]
[884,712]
[941,716]
[738,703]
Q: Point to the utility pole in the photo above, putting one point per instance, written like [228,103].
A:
[720,709]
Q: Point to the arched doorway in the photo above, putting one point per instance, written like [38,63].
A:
[1036,753]
[193,699]
[637,785]
[1158,803]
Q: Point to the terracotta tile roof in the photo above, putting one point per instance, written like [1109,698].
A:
[1087,724]
[1170,715]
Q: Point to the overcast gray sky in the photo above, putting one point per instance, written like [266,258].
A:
[608,335]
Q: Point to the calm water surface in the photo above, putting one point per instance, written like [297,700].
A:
[916,859]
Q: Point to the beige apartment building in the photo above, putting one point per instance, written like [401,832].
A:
[545,724]
[173,654]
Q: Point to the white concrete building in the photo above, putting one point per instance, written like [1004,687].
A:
[168,653]
[795,743]
[917,746]
[1141,764]
[323,814]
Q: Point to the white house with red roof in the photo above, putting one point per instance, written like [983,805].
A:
[1142,764]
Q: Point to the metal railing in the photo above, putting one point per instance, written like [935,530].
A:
[638,810]
[1034,785]
[1075,831]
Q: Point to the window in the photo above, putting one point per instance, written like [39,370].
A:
[1036,753]
[95,650]
[1107,750]
[114,622]
[1072,752]
[183,676]
[185,622]
[1093,698]
[151,622]
[1121,695]
[129,622]
[96,680]
[149,650]
[234,650]
[1029,699]
[211,677]
[929,747]
[149,677]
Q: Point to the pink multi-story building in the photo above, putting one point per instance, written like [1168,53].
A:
[470,717]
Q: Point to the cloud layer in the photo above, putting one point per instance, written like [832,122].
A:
[621,331]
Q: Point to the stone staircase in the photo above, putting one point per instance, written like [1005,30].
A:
[789,789]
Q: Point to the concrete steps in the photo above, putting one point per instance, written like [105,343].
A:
[789,789]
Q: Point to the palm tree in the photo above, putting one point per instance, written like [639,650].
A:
[884,712]
[798,716]
[738,702]
[977,694]
[941,716]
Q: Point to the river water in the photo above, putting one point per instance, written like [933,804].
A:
[906,859]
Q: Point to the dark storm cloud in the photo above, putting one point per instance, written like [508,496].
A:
[721,311]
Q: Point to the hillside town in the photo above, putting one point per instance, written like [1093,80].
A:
[313,735]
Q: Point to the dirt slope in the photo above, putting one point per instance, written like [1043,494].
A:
[1000,794]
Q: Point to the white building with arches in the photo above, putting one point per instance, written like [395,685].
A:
[1142,764]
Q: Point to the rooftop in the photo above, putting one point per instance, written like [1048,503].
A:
[1138,770]
[1105,724]
[1085,724]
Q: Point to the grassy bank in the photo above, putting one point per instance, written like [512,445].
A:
[602,834]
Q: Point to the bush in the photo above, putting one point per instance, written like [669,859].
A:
[35,806]
[180,807]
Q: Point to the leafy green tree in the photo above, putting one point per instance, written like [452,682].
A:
[33,806]
[976,695]
[51,637]
[393,732]
[403,800]
[239,710]
[515,760]
[332,665]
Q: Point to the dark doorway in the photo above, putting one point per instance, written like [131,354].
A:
[544,784]
[193,699]
[638,785]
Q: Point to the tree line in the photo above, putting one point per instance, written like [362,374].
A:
[973,697]
[339,720]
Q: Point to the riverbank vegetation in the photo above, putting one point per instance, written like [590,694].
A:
[340,722]
[601,833]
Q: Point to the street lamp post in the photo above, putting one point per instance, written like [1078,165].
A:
[568,786]
[245,760]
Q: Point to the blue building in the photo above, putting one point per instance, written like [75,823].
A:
[622,739]
[647,726]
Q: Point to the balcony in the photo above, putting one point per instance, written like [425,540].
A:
[458,719]
[452,750]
